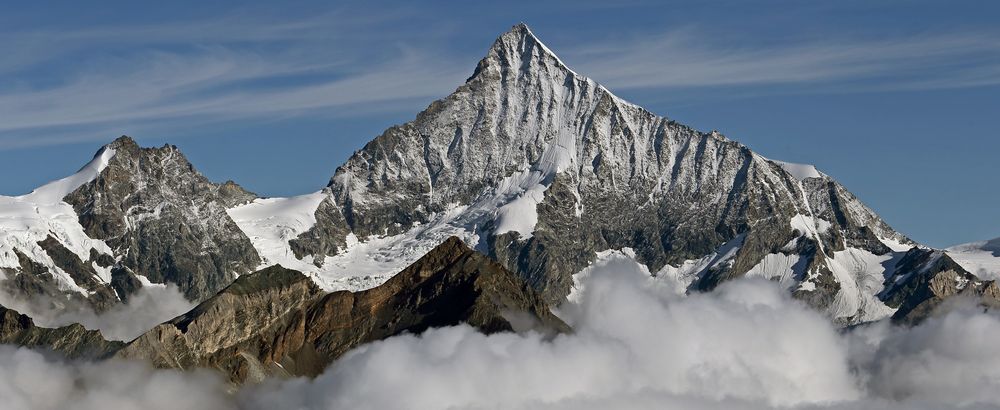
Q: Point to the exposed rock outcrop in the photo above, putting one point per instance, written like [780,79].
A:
[278,322]
[925,279]
[72,341]
[164,220]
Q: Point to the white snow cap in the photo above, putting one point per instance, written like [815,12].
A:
[55,191]
[27,219]
[801,172]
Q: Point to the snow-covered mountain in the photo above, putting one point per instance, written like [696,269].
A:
[544,169]
[531,163]
[131,217]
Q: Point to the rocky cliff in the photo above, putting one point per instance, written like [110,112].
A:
[278,322]
[72,341]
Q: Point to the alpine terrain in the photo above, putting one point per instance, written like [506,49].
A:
[544,169]
[480,210]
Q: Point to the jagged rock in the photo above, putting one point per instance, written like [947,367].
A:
[83,273]
[164,220]
[326,237]
[72,341]
[35,282]
[278,322]
[548,168]
[124,282]
[925,278]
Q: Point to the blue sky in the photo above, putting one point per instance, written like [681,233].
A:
[899,100]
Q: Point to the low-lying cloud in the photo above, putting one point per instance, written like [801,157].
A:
[637,344]
[32,381]
[150,306]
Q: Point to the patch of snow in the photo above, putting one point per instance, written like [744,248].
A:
[271,222]
[896,245]
[146,283]
[800,172]
[809,225]
[861,275]
[979,258]
[785,269]
[370,263]
[520,215]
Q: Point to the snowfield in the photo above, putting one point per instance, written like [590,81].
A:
[28,219]
[979,258]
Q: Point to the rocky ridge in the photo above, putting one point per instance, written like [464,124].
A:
[131,216]
[276,322]
[72,341]
[543,169]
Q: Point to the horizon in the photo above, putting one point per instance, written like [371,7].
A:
[769,93]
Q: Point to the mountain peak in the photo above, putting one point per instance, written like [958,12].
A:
[518,32]
[519,48]
[122,142]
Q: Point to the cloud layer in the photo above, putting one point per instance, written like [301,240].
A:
[637,345]
[150,306]
[144,77]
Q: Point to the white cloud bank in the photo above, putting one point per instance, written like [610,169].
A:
[148,307]
[637,345]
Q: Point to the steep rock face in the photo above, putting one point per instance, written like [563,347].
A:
[164,220]
[924,279]
[278,322]
[72,341]
[541,168]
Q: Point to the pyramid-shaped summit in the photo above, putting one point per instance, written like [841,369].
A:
[520,48]
[542,169]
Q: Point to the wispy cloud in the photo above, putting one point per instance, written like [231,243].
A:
[209,72]
[696,58]
[64,84]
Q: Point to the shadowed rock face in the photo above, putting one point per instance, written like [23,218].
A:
[166,221]
[72,341]
[925,279]
[34,283]
[278,322]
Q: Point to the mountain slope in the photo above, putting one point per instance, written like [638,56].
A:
[529,162]
[72,341]
[45,252]
[166,221]
[131,216]
[278,322]
[542,168]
